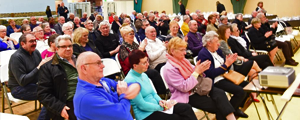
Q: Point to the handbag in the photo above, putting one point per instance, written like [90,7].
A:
[204,85]
[235,77]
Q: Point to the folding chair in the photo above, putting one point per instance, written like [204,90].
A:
[168,91]
[16,36]
[195,60]
[5,57]
[111,67]
[120,67]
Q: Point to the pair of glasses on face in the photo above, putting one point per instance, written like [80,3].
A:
[94,63]
[131,33]
[31,41]
[146,62]
[65,46]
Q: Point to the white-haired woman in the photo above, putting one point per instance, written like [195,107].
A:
[67,29]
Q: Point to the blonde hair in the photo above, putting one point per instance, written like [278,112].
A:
[255,20]
[175,43]
[172,23]
[78,34]
[125,30]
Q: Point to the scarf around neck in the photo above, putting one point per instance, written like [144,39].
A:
[184,66]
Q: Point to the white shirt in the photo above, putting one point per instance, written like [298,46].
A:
[156,52]
[241,41]
[218,60]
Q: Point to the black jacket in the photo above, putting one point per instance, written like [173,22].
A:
[52,87]
[220,8]
[79,49]
[58,29]
[182,9]
[61,11]
[48,13]
[241,25]
[236,47]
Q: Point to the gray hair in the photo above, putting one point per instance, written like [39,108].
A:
[2,27]
[23,37]
[223,17]
[66,25]
[150,15]
[105,22]
[126,19]
[145,12]
[62,37]
[233,25]
[161,15]
[148,28]
[208,37]
[177,17]
[237,15]
[60,18]
[85,23]
[185,17]
[191,22]
[260,15]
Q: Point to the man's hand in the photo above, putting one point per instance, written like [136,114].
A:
[44,61]
[143,45]
[121,87]
[64,112]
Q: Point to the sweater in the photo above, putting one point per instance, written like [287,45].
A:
[147,101]
[92,102]
[156,52]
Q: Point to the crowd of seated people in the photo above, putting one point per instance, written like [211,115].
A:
[143,44]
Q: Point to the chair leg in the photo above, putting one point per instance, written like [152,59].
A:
[6,96]
[2,99]
[35,105]
[205,116]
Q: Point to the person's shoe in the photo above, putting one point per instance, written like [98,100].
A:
[292,63]
[256,100]
[240,113]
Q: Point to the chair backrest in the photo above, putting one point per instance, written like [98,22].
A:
[111,67]
[16,36]
[117,59]
[195,60]
[162,76]
[152,85]
[4,60]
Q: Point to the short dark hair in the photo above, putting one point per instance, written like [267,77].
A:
[23,28]
[23,37]
[135,56]
[52,39]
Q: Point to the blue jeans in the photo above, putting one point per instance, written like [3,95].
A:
[29,92]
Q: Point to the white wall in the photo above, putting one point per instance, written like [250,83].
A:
[18,6]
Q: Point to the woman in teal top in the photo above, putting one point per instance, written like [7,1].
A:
[147,105]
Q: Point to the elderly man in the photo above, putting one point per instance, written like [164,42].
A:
[41,43]
[141,32]
[201,19]
[77,23]
[145,14]
[127,20]
[84,17]
[90,27]
[156,49]
[41,20]
[58,26]
[63,10]
[241,24]
[58,80]
[132,16]
[254,14]
[138,21]
[24,68]
[98,97]
[33,23]
[201,26]
[185,27]
[93,16]
[7,43]
[25,22]
[163,24]
[71,17]
[107,43]
[153,23]
[194,38]
[285,46]
[187,12]
[224,20]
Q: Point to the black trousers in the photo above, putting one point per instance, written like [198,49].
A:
[263,61]
[71,111]
[181,111]
[239,95]
[159,66]
[157,81]
[217,102]
[286,49]
[244,68]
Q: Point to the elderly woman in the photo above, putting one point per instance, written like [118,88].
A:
[224,20]
[82,43]
[25,29]
[67,28]
[220,65]
[241,24]
[7,43]
[47,30]
[181,77]
[174,27]
[127,46]
[211,26]
[248,67]
[185,27]
[261,41]
[12,27]
[97,21]
[147,105]
[238,45]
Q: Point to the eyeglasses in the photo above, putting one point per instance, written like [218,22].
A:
[3,31]
[181,50]
[65,46]
[97,63]
[145,63]
[32,41]
[69,29]
[131,33]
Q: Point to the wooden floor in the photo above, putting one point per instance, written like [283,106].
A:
[291,113]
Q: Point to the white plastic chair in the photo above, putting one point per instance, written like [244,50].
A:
[5,57]
[195,60]
[111,67]
[120,67]
[16,36]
